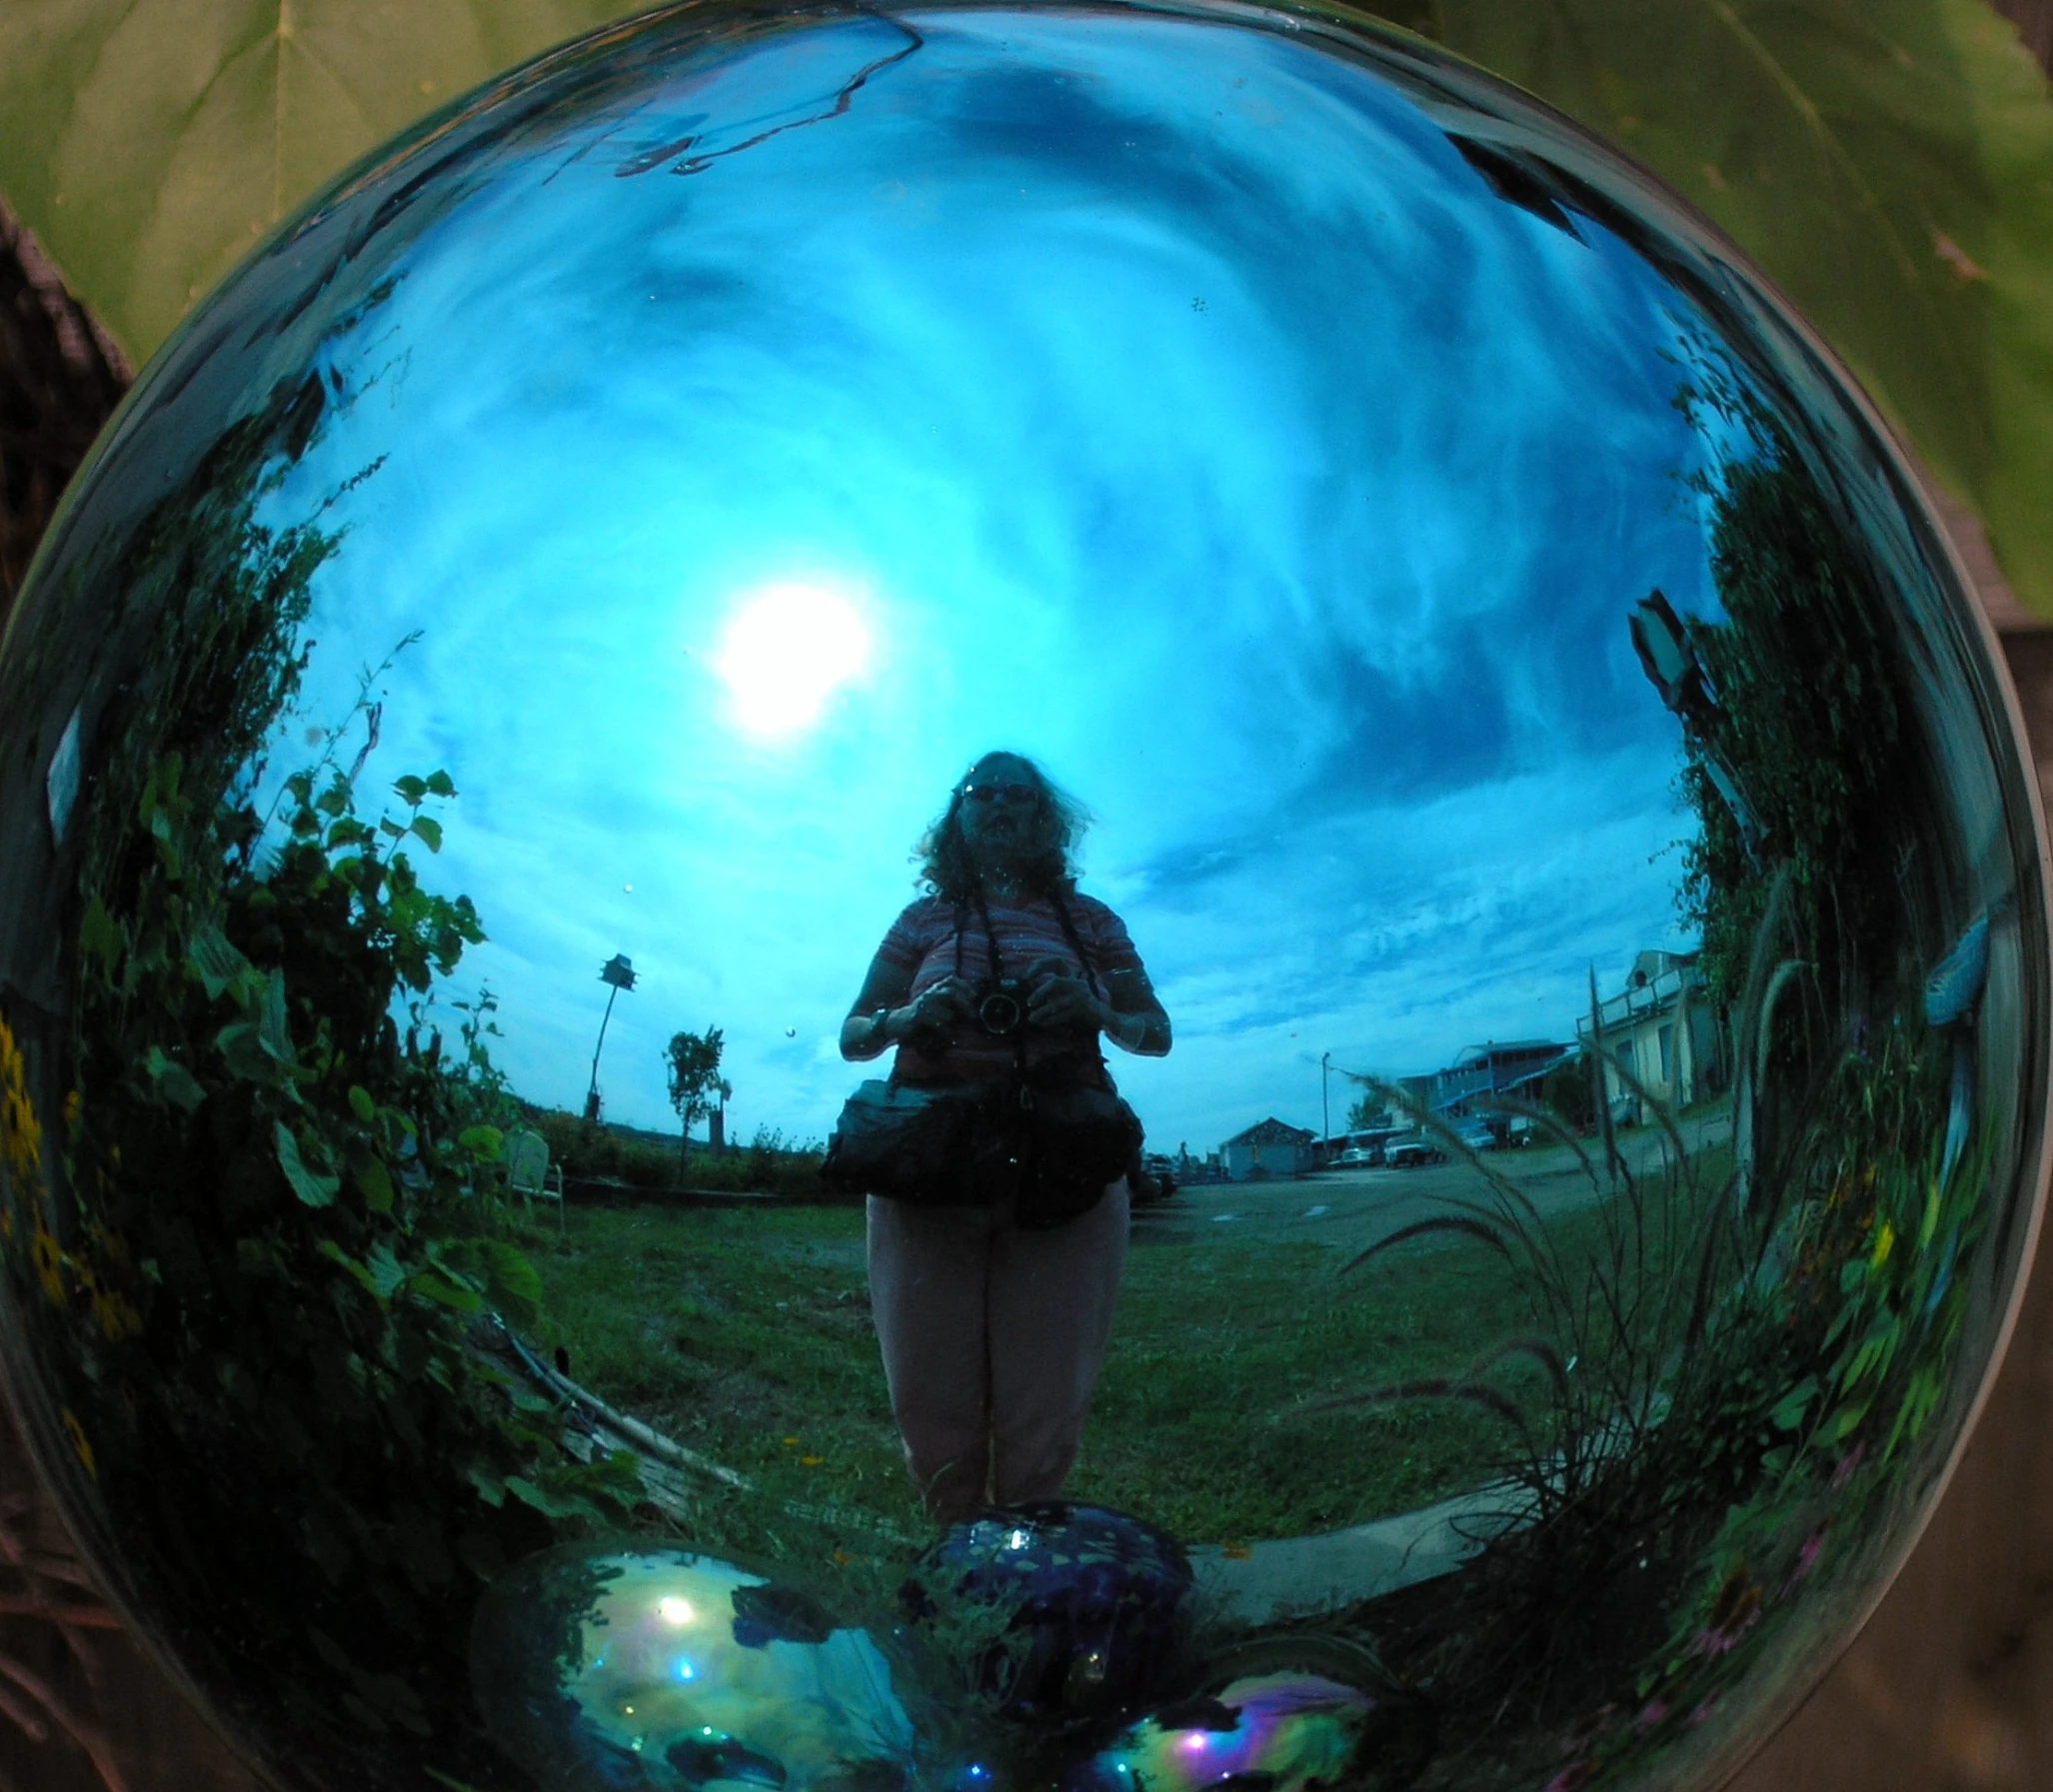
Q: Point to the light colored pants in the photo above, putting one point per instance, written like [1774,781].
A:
[993,1339]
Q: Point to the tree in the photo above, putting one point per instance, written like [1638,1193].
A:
[695,1085]
[1370,1111]
[1567,1089]
[1810,717]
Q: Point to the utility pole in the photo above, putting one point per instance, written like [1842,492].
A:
[1325,1113]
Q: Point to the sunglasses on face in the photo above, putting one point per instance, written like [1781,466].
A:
[985,794]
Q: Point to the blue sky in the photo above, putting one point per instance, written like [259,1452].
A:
[1163,400]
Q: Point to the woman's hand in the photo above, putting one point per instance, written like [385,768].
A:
[886,1014]
[940,1006]
[1061,1002]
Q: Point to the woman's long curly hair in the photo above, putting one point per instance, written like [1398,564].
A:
[1049,870]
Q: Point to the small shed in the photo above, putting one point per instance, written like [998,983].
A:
[1269,1148]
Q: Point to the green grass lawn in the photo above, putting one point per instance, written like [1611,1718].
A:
[746,1335]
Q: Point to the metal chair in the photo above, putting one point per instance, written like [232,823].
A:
[528,1172]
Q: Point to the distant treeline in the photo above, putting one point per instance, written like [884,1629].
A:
[787,1169]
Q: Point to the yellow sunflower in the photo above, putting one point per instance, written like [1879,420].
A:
[49,1261]
[116,1316]
[21,1133]
[76,1434]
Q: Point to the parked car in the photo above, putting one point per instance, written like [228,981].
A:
[1358,1157]
[1477,1138]
[1154,1181]
[1408,1151]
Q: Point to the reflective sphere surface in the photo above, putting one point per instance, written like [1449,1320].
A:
[842,794]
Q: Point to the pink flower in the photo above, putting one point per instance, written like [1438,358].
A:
[1734,1612]
[1650,1714]
[1806,1559]
[1847,1464]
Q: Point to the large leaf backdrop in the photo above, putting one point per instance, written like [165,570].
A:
[1888,162]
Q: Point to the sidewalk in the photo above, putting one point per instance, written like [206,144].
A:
[1301,1577]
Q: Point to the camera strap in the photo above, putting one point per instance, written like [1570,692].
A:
[1022,1094]
[997,973]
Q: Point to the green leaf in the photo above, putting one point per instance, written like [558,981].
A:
[550,1505]
[440,785]
[444,1292]
[411,789]
[98,935]
[245,1057]
[259,1048]
[1885,160]
[1842,1424]
[374,1184]
[172,1081]
[343,1260]
[149,145]
[1789,1410]
[430,831]
[381,1275]
[510,1279]
[362,1104]
[314,1191]
[388,1273]
[214,960]
[483,1142]
[273,1035]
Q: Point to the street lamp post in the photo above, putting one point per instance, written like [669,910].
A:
[619,975]
[1325,1113]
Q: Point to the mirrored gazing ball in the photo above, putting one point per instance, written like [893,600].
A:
[1092,1603]
[590,657]
[1297,1731]
[620,1666]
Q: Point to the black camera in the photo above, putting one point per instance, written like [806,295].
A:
[1002,1006]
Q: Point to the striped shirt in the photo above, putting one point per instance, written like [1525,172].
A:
[921,944]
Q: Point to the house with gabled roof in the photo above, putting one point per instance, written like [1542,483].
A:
[1483,1072]
[1269,1148]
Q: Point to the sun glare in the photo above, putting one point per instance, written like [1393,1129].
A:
[787,649]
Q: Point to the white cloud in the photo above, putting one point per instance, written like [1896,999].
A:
[1281,489]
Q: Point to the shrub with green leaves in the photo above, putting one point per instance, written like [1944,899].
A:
[275,1191]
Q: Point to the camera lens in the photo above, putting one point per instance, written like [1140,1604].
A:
[999,1011]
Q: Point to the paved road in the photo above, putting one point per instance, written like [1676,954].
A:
[1351,1209]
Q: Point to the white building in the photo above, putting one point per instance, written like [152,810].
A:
[1269,1148]
[1660,1033]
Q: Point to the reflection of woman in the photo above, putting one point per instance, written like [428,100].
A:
[993,1328]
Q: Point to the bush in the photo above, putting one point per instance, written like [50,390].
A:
[251,1241]
[773,1165]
